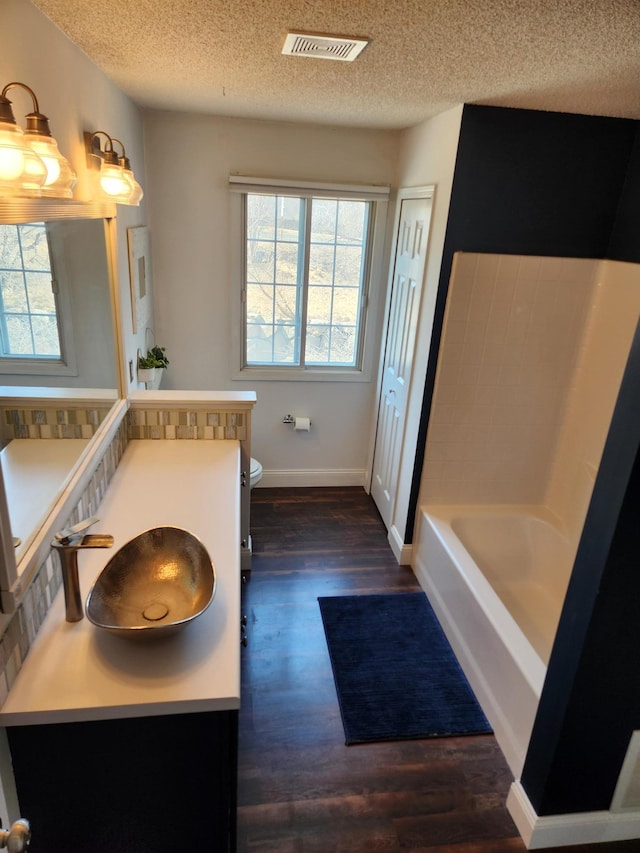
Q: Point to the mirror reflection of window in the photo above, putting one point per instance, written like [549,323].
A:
[29,309]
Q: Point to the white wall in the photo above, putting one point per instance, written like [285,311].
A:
[77,97]
[189,160]
[427,157]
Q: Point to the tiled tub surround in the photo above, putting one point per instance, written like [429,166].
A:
[510,343]
[604,349]
[531,359]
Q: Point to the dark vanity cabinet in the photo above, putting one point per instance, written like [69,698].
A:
[158,784]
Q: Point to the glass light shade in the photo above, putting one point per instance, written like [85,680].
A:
[61,178]
[22,172]
[115,183]
[135,197]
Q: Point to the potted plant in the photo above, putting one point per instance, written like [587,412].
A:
[150,365]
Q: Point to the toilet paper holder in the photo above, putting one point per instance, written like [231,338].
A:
[291,420]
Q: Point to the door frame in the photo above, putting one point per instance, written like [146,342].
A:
[401,551]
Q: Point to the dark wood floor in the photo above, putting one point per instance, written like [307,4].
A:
[300,789]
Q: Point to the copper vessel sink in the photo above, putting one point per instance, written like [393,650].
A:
[155,584]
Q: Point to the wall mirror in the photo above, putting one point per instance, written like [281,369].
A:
[60,372]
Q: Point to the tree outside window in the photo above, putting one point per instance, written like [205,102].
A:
[306,262]
[28,310]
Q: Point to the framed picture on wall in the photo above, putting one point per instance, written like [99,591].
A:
[140,277]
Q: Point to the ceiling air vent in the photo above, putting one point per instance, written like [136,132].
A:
[323,47]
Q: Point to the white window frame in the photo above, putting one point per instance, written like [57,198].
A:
[371,315]
[66,364]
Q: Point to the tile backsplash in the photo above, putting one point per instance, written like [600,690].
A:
[52,422]
[185,424]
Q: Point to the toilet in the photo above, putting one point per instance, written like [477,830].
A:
[256,473]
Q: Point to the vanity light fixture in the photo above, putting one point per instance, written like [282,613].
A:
[135,197]
[30,162]
[116,181]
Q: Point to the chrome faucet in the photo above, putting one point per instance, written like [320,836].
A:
[67,543]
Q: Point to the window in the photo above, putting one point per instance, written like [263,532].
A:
[306,263]
[310,269]
[29,326]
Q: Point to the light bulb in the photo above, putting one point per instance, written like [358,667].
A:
[61,178]
[22,172]
[114,181]
[11,163]
[11,152]
[42,147]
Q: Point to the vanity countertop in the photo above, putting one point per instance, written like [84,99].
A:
[35,471]
[75,671]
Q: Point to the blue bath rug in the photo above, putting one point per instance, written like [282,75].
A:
[396,675]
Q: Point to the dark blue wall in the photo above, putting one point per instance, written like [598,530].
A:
[535,183]
[625,238]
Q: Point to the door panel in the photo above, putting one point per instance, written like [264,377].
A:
[408,274]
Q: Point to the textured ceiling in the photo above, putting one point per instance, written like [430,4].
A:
[223,56]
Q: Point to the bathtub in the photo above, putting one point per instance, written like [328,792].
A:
[497,577]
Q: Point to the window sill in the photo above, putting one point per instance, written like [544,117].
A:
[35,367]
[301,374]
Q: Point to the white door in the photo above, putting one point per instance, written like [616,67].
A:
[408,272]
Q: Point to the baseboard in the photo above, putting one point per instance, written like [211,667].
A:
[567,830]
[312,477]
[402,552]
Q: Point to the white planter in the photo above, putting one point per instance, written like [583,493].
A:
[154,383]
[148,375]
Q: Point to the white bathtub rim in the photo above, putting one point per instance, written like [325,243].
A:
[529,662]
[447,512]
[513,747]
